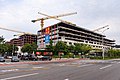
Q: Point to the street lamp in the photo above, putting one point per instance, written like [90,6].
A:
[103,52]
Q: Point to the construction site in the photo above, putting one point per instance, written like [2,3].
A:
[64,31]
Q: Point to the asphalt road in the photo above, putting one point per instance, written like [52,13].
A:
[77,70]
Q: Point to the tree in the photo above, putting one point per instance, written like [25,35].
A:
[82,48]
[50,46]
[34,46]
[113,53]
[71,48]
[85,48]
[29,48]
[77,48]
[3,47]
[61,47]
[2,40]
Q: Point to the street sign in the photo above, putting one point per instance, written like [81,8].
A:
[47,38]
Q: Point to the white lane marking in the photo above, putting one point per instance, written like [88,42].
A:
[10,70]
[85,65]
[105,66]
[38,67]
[19,76]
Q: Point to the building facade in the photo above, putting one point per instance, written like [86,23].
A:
[71,34]
[23,39]
[27,38]
[15,41]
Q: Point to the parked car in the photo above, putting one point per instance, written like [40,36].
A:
[9,57]
[24,57]
[43,58]
[33,57]
[2,59]
[15,59]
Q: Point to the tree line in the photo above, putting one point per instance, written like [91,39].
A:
[76,49]
[60,46]
[10,49]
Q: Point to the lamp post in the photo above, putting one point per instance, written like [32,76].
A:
[103,52]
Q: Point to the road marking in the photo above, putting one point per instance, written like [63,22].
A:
[10,70]
[105,66]
[66,79]
[85,65]
[37,67]
[19,76]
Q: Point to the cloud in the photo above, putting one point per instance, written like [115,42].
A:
[91,14]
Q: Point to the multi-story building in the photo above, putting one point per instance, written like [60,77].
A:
[15,41]
[71,34]
[27,38]
[23,39]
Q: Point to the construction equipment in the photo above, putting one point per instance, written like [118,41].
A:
[100,28]
[54,17]
[21,33]
[11,30]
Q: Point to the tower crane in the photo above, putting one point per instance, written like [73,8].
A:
[54,17]
[100,28]
[21,33]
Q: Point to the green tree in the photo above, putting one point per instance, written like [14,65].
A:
[85,48]
[77,48]
[3,47]
[112,53]
[2,40]
[61,47]
[34,46]
[9,48]
[50,46]
[82,48]
[29,48]
[71,48]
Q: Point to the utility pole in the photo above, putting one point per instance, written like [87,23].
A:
[103,51]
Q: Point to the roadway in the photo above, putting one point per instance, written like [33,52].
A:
[77,70]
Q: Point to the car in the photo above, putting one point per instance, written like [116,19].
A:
[43,58]
[9,57]
[24,57]
[33,57]
[2,59]
[15,59]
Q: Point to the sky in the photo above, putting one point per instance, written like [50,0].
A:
[91,14]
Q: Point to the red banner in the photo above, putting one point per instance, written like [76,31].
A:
[47,30]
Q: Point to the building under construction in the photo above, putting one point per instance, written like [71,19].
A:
[28,38]
[23,39]
[71,34]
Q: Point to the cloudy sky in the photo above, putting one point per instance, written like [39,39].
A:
[91,14]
